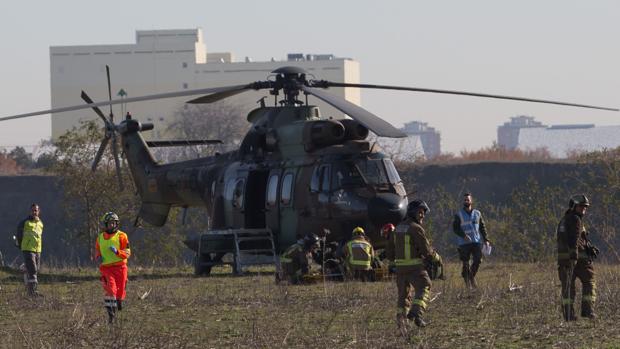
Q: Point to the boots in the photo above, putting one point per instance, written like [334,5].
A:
[568,312]
[31,288]
[472,282]
[418,321]
[402,321]
[111,314]
[119,305]
[467,282]
[416,316]
[587,311]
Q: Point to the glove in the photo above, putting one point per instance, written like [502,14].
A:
[114,249]
[437,258]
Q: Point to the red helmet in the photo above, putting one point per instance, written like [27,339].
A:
[387,229]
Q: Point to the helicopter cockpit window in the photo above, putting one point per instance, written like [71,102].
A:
[346,174]
[287,189]
[391,171]
[237,199]
[272,190]
[373,171]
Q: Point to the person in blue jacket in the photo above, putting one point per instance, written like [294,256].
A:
[471,233]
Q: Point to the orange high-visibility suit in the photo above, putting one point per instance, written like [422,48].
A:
[113,267]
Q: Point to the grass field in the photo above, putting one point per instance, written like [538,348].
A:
[251,311]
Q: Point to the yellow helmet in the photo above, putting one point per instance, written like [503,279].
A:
[358,231]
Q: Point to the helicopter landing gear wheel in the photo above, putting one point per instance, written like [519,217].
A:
[201,262]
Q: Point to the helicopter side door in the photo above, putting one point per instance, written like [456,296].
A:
[254,205]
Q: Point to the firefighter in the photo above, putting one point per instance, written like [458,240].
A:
[295,261]
[29,239]
[358,255]
[112,246]
[409,249]
[575,255]
[471,233]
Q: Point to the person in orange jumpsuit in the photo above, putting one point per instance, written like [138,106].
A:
[113,247]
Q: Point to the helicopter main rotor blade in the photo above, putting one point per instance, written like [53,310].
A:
[324,83]
[107,73]
[202,91]
[98,111]
[374,123]
[214,97]
[117,161]
[100,151]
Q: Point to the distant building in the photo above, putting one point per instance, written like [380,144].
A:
[430,138]
[172,60]
[508,133]
[564,140]
[524,133]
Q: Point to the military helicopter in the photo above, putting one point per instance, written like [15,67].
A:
[295,172]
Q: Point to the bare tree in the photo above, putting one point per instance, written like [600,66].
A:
[221,120]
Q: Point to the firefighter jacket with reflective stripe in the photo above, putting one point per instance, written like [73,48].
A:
[359,254]
[470,224]
[31,235]
[409,247]
[119,241]
[571,235]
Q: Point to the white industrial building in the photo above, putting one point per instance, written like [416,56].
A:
[172,60]
[561,141]
[565,140]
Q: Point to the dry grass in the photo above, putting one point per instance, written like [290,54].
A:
[251,311]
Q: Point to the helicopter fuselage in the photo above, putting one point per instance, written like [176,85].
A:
[295,173]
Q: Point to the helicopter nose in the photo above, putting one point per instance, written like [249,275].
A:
[387,208]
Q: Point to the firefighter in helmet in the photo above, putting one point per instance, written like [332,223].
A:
[358,255]
[575,256]
[112,246]
[409,249]
[295,261]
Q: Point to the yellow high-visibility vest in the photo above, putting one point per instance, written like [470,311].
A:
[107,256]
[32,241]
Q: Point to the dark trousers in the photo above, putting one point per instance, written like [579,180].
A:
[416,282]
[584,271]
[467,252]
[32,262]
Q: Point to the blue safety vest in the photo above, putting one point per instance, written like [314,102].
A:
[470,224]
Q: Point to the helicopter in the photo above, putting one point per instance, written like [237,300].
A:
[295,172]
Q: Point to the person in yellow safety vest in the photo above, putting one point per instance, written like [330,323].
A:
[29,239]
[294,262]
[358,256]
[112,246]
[409,248]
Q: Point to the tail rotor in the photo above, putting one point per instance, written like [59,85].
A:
[110,133]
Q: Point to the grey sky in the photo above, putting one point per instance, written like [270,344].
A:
[560,49]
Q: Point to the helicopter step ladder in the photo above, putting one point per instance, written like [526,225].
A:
[246,245]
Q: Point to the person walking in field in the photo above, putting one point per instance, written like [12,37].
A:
[575,255]
[471,233]
[29,239]
[112,246]
[409,249]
